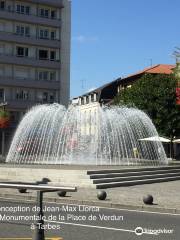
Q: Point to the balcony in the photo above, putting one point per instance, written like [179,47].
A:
[23,104]
[20,104]
[28,83]
[12,37]
[32,19]
[53,3]
[27,61]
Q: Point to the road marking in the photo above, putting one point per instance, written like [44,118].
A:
[53,238]
[99,227]
[118,209]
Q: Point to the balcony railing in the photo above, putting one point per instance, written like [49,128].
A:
[31,40]
[29,61]
[30,18]
[25,14]
[25,104]
[29,83]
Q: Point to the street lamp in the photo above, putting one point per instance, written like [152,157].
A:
[171,143]
[3,105]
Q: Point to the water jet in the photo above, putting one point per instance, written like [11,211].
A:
[52,134]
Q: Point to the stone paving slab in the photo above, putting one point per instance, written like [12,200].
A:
[166,197]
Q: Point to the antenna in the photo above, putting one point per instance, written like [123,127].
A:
[83,81]
[151,62]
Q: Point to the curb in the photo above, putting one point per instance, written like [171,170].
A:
[102,204]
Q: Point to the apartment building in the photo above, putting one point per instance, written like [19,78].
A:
[34,53]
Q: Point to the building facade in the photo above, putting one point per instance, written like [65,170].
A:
[106,93]
[34,53]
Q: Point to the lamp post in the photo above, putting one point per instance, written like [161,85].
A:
[171,144]
[3,105]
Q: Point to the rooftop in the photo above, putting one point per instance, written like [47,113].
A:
[155,69]
[159,68]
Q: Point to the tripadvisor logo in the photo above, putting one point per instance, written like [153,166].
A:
[139,231]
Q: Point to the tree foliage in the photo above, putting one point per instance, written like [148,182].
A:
[155,95]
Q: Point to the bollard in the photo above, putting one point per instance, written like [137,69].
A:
[43,181]
[148,199]
[22,190]
[61,193]
[101,195]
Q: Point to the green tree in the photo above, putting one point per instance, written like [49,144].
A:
[155,95]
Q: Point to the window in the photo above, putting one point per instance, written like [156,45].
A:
[27,31]
[9,8]
[52,76]
[18,9]
[25,95]
[47,76]
[2,4]
[27,10]
[22,95]
[41,12]
[23,31]
[41,34]
[45,96]
[40,76]
[15,116]
[53,35]
[1,93]
[22,9]
[22,51]
[52,55]
[82,101]
[43,54]
[43,75]
[51,97]
[39,97]
[44,13]
[53,14]
[18,30]
[44,34]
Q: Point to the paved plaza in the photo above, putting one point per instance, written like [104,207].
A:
[166,197]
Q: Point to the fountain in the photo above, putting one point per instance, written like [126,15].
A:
[51,134]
